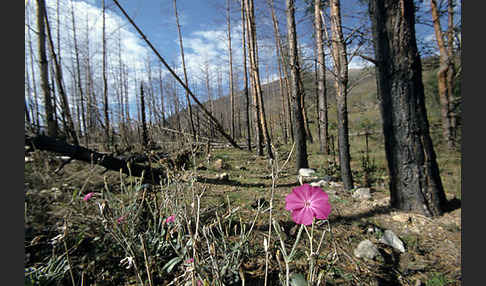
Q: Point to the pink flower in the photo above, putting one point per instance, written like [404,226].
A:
[170,219]
[199,283]
[306,203]
[189,261]
[120,219]
[88,196]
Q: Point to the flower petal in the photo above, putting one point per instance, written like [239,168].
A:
[303,216]
[318,193]
[322,211]
[293,201]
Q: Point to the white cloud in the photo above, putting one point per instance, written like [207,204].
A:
[89,25]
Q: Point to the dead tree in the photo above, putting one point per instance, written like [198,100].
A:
[105,81]
[189,107]
[255,74]
[47,143]
[218,126]
[245,76]
[340,59]
[415,183]
[446,73]
[69,124]
[44,74]
[230,55]
[321,80]
[145,139]
[296,90]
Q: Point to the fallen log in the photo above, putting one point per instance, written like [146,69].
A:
[46,143]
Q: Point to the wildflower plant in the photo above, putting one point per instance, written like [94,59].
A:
[309,206]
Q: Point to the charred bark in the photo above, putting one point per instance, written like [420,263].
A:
[415,183]
[296,90]
[80,153]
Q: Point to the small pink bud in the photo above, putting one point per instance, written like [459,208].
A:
[120,219]
[170,219]
[88,196]
[189,261]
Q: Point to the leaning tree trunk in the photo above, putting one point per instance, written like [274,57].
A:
[189,105]
[415,183]
[339,56]
[296,90]
[64,99]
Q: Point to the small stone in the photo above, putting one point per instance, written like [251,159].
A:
[400,217]
[201,167]
[362,194]
[219,164]
[223,176]
[366,249]
[391,239]
[321,184]
[306,172]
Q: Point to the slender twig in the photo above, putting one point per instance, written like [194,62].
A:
[147,266]
[67,254]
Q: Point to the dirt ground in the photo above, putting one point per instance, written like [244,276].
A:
[432,245]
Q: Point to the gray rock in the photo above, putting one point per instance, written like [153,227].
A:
[223,176]
[201,167]
[366,249]
[305,173]
[321,184]
[219,164]
[362,194]
[391,239]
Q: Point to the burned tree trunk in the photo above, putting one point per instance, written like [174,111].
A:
[44,74]
[51,144]
[296,90]
[339,56]
[415,183]
[321,81]
[245,76]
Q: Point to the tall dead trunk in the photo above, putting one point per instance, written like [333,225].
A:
[189,105]
[78,74]
[254,71]
[245,75]
[296,90]
[210,97]
[283,65]
[321,81]
[35,111]
[64,100]
[44,73]
[445,75]
[415,183]
[105,81]
[231,88]
[284,92]
[162,98]
[339,56]
[145,139]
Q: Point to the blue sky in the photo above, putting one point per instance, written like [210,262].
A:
[203,25]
